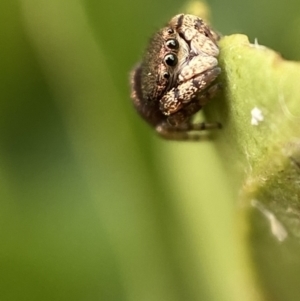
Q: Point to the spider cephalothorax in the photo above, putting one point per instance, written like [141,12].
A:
[176,76]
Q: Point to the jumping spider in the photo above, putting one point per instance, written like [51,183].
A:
[176,77]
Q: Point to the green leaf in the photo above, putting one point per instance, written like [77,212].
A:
[260,147]
[93,207]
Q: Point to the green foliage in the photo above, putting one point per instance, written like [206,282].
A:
[93,206]
[263,158]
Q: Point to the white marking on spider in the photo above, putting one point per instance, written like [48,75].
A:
[256,116]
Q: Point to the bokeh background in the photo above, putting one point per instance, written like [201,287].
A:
[94,206]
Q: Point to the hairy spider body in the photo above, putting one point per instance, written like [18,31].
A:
[177,77]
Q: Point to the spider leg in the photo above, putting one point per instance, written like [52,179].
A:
[185,132]
[180,125]
[186,92]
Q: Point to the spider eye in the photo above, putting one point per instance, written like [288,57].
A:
[166,75]
[171,60]
[170,31]
[172,44]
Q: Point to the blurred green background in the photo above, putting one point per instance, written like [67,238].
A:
[93,205]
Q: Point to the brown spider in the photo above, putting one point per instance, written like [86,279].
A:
[176,77]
